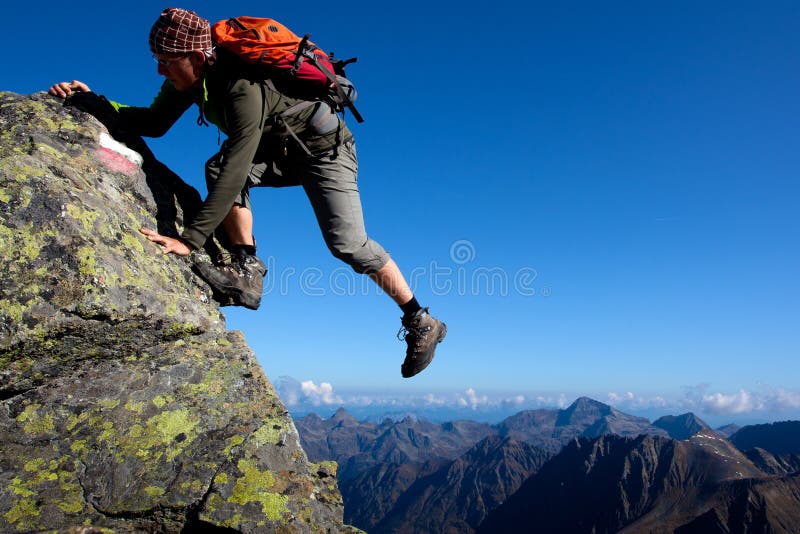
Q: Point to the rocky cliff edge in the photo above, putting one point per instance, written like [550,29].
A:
[124,401]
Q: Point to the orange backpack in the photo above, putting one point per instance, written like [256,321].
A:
[281,55]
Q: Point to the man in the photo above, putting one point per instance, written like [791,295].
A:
[258,151]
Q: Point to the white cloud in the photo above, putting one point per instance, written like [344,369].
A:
[362,400]
[736,403]
[434,400]
[472,399]
[631,401]
[787,399]
[767,400]
[614,397]
[319,394]
[514,402]
[548,401]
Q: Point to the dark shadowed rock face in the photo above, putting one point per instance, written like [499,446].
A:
[681,426]
[458,496]
[771,464]
[778,438]
[124,402]
[650,484]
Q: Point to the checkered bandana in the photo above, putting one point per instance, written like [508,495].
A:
[180,30]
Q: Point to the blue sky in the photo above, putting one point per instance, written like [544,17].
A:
[598,198]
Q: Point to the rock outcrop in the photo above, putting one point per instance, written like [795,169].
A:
[124,401]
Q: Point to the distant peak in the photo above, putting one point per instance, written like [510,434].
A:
[681,426]
[583,411]
[586,403]
[341,414]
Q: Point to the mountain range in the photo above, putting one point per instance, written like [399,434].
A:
[650,484]
[586,468]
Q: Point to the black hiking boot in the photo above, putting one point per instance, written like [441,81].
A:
[237,283]
[422,333]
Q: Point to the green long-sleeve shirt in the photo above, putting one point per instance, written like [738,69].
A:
[244,110]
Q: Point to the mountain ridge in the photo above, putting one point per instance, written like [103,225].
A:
[402,497]
[647,484]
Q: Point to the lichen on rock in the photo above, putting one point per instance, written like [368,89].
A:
[125,404]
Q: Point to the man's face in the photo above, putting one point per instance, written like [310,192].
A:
[181,70]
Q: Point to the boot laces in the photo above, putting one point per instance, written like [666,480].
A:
[231,262]
[413,328]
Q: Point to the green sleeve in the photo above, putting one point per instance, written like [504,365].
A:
[244,116]
[154,121]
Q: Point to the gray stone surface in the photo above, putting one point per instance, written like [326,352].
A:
[125,404]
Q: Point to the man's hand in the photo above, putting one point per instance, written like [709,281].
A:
[168,244]
[65,89]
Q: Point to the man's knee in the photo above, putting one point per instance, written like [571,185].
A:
[364,259]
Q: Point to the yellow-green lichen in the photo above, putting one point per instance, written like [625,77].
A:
[24,242]
[71,501]
[181,330]
[214,503]
[17,487]
[134,406]
[25,488]
[154,491]
[79,446]
[328,467]
[171,309]
[213,383]
[85,217]
[130,242]
[192,486]
[108,432]
[34,465]
[268,433]
[11,309]
[87,263]
[75,420]
[174,429]
[254,486]
[162,400]
[234,441]
[23,514]
[33,423]
[109,404]
[30,249]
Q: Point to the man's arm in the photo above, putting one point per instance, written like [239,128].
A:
[154,121]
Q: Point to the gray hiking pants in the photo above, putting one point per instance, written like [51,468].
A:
[330,181]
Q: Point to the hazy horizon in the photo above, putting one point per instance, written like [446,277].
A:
[303,398]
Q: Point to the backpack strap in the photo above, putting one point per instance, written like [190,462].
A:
[319,120]
[303,51]
[281,119]
[300,54]
[288,112]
